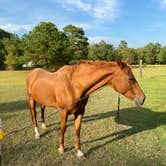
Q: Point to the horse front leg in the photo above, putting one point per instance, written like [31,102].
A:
[43,125]
[63,122]
[32,106]
[78,119]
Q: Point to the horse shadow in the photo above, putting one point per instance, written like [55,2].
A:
[139,120]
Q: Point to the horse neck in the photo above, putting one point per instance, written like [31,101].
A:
[93,76]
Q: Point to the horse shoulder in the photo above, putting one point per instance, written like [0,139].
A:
[63,88]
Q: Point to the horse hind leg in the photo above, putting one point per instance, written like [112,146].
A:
[43,125]
[78,119]
[32,106]
[63,121]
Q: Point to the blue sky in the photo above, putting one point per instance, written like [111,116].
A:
[137,22]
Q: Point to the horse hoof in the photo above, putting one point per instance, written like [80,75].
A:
[37,136]
[61,150]
[80,154]
[43,126]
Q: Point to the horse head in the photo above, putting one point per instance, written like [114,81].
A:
[125,83]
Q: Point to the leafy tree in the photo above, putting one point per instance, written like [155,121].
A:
[13,52]
[150,52]
[78,42]
[129,53]
[158,48]
[124,52]
[123,44]
[140,55]
[161,57]
[11,61]
[101,51]
[46,46]
[3,34]
[50,48]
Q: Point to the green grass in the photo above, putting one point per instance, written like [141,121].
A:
[138,138]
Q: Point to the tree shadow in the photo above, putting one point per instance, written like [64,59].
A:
[85,120]
[13,106]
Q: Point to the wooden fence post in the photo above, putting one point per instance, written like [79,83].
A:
[118,106]
[140,68]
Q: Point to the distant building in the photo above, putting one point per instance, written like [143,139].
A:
[28,65]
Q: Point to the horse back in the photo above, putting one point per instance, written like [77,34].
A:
[33,76]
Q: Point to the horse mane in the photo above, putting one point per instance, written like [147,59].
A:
[100,64]
[68,70]
[84,62]
[96,62]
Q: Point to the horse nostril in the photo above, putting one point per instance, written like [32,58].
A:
[143,99]
[139,100]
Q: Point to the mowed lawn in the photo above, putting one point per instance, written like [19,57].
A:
[137,139]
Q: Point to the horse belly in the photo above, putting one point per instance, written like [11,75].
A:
[43,93]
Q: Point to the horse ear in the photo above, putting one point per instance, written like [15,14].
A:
[127,60]
[119,62]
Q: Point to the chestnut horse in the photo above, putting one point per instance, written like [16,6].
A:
[69,87]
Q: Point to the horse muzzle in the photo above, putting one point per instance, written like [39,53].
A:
[139,100]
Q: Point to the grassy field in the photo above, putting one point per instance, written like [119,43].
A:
[138,138]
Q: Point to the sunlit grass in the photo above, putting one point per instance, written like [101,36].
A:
[138,138]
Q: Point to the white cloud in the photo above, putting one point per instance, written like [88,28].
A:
[97,39]
[155,27]
[82,5]
[16,27]
[105,9]
[162,3]
[85,26]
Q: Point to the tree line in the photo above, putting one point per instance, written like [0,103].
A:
[48,47]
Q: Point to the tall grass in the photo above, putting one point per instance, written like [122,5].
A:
[138,138]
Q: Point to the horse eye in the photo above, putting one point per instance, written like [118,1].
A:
[132,79]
